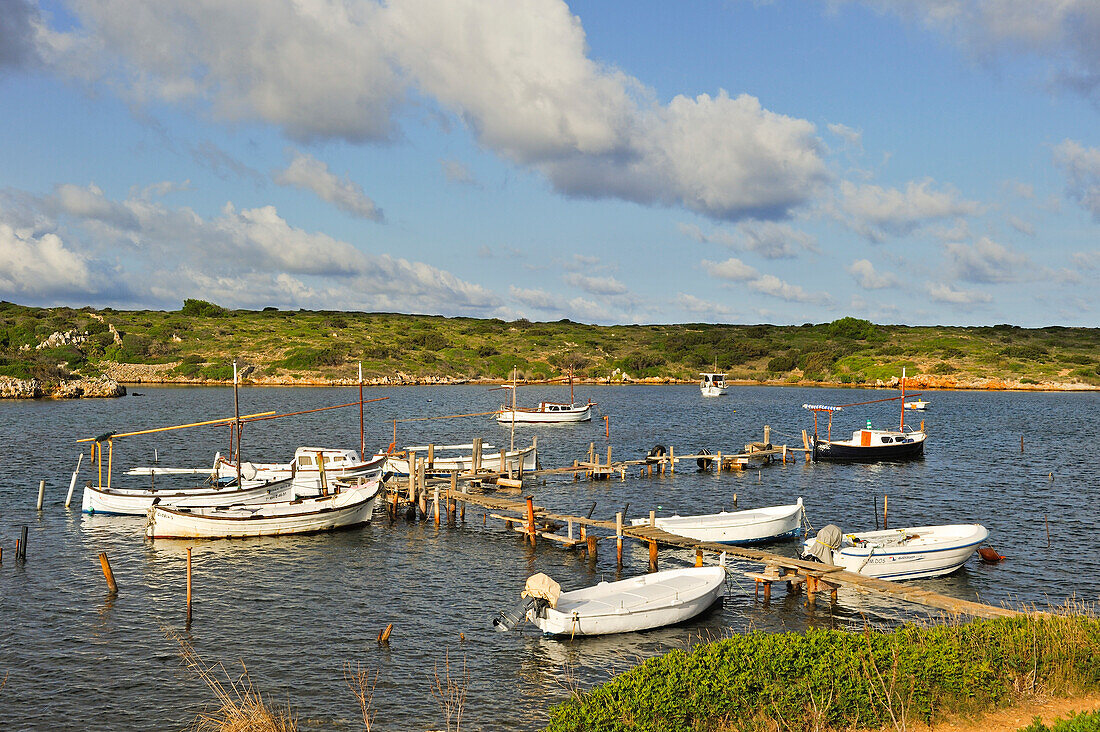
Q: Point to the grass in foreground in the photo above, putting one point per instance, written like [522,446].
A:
[1083,722]
[835,680]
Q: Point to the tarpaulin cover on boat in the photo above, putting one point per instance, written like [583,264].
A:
[542,585]
[827,539]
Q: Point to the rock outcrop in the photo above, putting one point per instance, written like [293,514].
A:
[12,388]
[103,387]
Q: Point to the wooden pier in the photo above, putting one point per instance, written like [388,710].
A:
[450,495]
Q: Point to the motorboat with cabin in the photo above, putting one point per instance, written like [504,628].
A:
[712,384]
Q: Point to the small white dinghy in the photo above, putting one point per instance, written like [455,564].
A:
[639,603]
[912,553]
[350,505]
[755,526]
[136,501]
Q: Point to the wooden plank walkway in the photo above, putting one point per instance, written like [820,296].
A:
[813,570]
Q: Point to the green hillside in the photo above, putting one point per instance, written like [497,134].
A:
[200,341]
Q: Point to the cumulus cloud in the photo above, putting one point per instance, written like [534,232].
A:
[877,213]
[33,266]
[595,285]
[535,298]
[19,21]
[769,239]
[852,138]
[985,261]
[1063,32]
[246,257]
[697,306]
[943,292]
[1082,168]
[735,270]
[867,277]
[517,75]
[311,174]
[455,172]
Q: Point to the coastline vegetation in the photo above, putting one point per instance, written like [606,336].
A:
[200,341]
[836,680]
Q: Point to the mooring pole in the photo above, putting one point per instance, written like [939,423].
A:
[237,420]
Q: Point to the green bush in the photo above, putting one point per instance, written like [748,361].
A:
[831,679]
[851,328]
[780,364]
[311,358]
[1083,722]
[943,368]
[202,309]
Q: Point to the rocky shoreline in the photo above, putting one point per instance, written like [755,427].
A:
[112,382]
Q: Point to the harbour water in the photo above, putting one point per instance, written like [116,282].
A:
[297,610]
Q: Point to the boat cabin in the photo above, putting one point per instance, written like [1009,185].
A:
[555,407]
[306,458]
[871,438]
[710,379]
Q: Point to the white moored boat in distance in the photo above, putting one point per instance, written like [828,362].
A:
[639,603]
[755,526]
[712,384]
[346,505]
[898,554]
[545,412]
[918,404]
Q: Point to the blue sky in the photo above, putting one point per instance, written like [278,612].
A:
[919,162]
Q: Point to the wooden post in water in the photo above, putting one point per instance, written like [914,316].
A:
[431,455]
[72,481]
[435,502]
[476,457]
[584,539]
[188,584]
[21,547]
[619,540]
[652,518]
[719,461]
[454,487]
[652,556]
[767,434]
[422,491]
[591,541]
[504,469]
[671,459]
[1021,444]
[609,459]
[112,588]
[698,557]
[41,494]
[412,476]
[531,519]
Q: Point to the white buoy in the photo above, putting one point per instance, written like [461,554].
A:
[72,481]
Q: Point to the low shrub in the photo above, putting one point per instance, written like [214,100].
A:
[1083,722]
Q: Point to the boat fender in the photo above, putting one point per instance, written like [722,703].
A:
[703,462]
[655,454]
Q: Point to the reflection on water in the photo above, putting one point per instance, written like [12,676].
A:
[294,610]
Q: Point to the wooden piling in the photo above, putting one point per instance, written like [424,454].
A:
[422,490]
[609,458]
[652,555]
[41,494]
[435,503]
[767,436]
[475,460]
[652,518]
[1021,444]
[671,459]
[619,540]
[21,547]
[412,476]
[591,542]
[719,461]
[431,456]
[885,506]
[112,588]
[504,468]
[531,519]
[188,584]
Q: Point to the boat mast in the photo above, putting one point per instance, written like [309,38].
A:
[902,398]
[512,443]
[237,421]
[362,434]
[571,399]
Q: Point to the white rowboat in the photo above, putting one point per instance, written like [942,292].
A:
[351,506]
[911,553]
[735,527]
[639,603]
[136,501]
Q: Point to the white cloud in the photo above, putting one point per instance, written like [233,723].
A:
[985,261]
[853,138]
[306,171]
[595,285]
[877,212]
[867,277]
[39,265]
[1024,227]
[1062,31]
[89,203]
[943,292]
[517,74]
[735,270]
[1082,168]
[769,239]
[535,298]
[697,306]
[19,22]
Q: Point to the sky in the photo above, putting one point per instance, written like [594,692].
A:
[735,161]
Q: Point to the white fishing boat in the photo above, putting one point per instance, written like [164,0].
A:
[136,501]
[918,404]
[639,603]
[754,526]
[712,384]
[894,554]
[347,505]
[461,458]
[545,412]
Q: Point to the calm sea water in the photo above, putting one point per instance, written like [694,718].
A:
[295,611]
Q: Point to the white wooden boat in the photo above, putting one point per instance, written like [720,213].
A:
[918,404]
[639,603]
[136,501]
[339,464]
[755,526]
[350,505]
[546,413]
[712,384]
[910,553]
[460,457]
